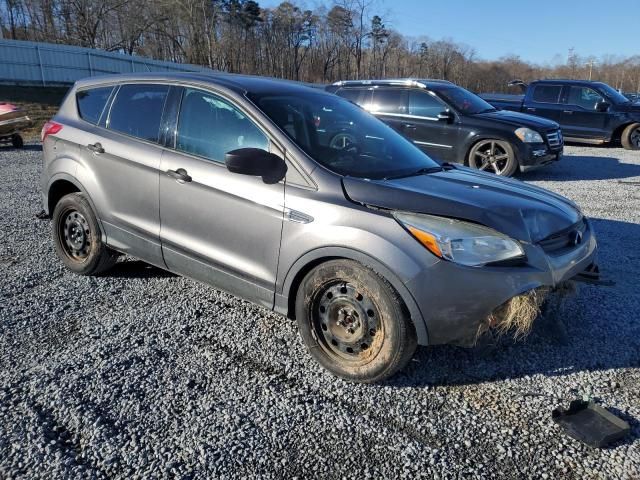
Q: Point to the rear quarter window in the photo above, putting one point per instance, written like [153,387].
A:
[137,110]
[91,103]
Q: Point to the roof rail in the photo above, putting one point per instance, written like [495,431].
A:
[404,82]
[437,80]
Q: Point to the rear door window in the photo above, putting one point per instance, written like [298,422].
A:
[547,93]
[359,96]
[137,110]
[387,100]
[423,104]
[209,126]
[91,103]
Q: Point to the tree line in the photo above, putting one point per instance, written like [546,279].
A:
[347,39]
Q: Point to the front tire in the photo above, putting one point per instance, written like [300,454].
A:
[630,138]
[77,237]
[353,322]
[494,156]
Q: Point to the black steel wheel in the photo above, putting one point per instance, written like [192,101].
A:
[346,322]
[78,238]
[353,322]
[630,138]
[494,156]
[76,233]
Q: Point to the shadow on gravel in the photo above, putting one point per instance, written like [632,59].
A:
[33,148]
[580,167]
[28,147]
[599,329]
[137,269]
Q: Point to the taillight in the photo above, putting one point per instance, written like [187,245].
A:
[49,128]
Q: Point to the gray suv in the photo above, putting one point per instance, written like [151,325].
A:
[238,182]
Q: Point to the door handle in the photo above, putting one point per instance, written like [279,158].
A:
[530,109]
[568,112]
[96,147]
[180,175]
[409,126]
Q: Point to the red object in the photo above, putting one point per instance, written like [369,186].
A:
[49,128]
[7,107]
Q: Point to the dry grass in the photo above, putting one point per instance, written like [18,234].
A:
[516,316]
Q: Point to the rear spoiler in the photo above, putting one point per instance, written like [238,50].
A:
[519,83]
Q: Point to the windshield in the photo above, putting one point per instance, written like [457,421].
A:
[614,95]
[343,137]
[464,101]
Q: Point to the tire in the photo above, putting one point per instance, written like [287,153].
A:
[630,137]
[77,237]
[353,322]
[17,141]
[494,156]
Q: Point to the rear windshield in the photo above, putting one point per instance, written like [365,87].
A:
[343,137]
[91,103]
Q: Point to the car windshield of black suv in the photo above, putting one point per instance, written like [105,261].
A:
[614,95]
[343,137]
[465,101]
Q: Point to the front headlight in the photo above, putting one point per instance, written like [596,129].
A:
[528,136]
[460,242]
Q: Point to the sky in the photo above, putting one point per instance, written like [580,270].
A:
[540,31]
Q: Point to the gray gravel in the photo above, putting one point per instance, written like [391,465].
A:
[141,373]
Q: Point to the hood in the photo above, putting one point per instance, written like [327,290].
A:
[629,107]
[517,119]
[522,211]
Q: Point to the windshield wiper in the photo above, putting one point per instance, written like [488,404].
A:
[420,171]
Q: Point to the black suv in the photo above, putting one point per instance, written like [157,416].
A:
[452,124]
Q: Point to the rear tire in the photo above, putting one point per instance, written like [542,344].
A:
[353,322]
[493,156]
[630,137]
[77,237]
[17,141]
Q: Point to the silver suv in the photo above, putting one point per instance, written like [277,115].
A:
[251,185]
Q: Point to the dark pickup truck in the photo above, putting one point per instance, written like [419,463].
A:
[588,112]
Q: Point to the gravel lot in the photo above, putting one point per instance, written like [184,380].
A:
[143,374]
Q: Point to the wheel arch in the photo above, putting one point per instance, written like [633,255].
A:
[616,136]
[285,302]
[63,184]
[473,141]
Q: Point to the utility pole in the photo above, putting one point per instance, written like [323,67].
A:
[590,63]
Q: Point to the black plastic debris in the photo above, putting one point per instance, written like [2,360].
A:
[590,423]
[42,215]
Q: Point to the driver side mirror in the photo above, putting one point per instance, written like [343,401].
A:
[256,162]
[446,116]
[602,106]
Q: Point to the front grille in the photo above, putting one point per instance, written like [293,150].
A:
[554,138]
[565,239]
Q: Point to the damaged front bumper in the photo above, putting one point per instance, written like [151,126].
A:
[455,300]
